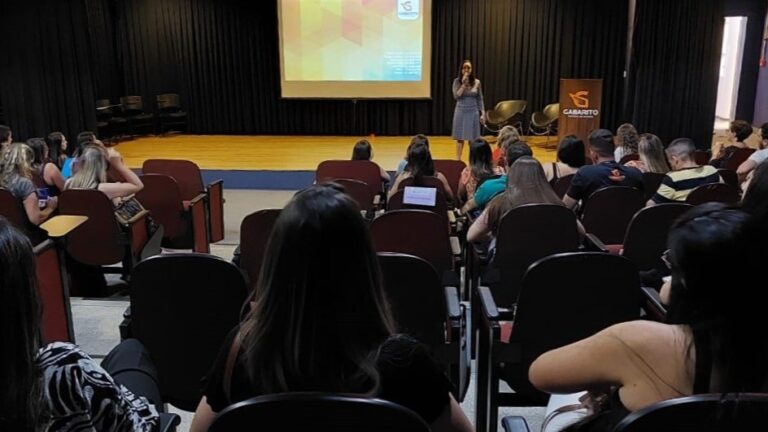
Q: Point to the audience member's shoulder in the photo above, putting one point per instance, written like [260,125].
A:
[59,353]
[642,335]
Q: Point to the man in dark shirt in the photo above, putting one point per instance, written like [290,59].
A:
[604,173]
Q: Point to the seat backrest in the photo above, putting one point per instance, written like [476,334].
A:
[700,413]
[297,412]
[363,170]
[162,197]
[415,232]
[186,173]
[255,230]
[701,157]
[168,102]
[568,297]
[100,240]
[13,209]
[713,192]
[132,103]
[607,212]
[646,237]
[440,208]
[416,297]
[452,170]
[426,181]
[358,190]
[729,177]
[182,308]
[509,108]
[552,111]
[629,157]
[738,157]
[53,288]
[526,234]
[562,185]
[651,183]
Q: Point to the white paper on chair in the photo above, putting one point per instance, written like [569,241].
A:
[423,196]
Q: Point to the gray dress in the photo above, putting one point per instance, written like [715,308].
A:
[466,116]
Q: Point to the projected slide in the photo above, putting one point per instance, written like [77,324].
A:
[355,48]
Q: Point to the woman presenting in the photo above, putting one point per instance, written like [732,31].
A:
[470,109]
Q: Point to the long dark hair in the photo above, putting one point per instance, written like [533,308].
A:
[320,311]
[21,400]
[420,162]
[55,153]
[480,159]
[362,150]
[471,74]
[40,149]
[755,201]
[716,255]
[526,184]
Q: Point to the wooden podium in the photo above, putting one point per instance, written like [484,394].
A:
[580,107]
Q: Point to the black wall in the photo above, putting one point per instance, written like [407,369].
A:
[221,56]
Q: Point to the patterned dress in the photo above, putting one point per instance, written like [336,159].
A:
[469,107]
[81,396]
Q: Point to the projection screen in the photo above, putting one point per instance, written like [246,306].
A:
[355,49]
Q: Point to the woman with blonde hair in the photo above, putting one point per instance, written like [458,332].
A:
[526,184]
[16,177]
[652,157]
[94,162]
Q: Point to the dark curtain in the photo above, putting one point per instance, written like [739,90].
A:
[675,68]
[46,82]
[753,43]
[222,57]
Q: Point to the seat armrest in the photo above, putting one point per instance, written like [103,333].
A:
[455,245]
[491,311]
[452,302]
[593,243]
[653,305]
[514,424]
[137,217]
[168,422]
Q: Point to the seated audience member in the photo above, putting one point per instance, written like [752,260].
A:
[526,184]
[506,136]
[738,132]
[45,174]
[364,151]
[6,138]
[604,173]
[320,322]
[685,175]
[706,347]
[420,165]
[571,155]
[57,148]
[16,177]
[626,141]
[92,173]
[83,139]
[417,139]
[652,157]
[58,387]
[755,201]
[489,189]
[480,168]
[757,157]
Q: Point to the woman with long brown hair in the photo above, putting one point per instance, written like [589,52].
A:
[16,177]
[526,184]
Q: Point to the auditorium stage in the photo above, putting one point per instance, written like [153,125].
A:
[284,162]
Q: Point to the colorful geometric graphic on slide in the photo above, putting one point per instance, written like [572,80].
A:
[352,40]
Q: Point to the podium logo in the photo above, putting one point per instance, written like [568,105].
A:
[580,99]
[408,9]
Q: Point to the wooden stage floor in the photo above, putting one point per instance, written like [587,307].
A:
[288,153]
